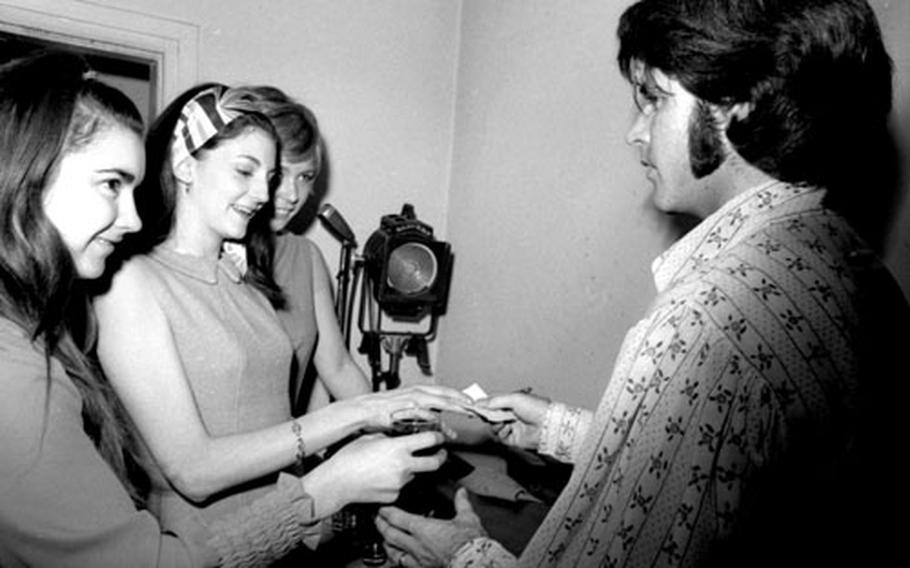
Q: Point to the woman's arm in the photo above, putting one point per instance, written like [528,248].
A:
[139,355]
[60,503]
[342,377]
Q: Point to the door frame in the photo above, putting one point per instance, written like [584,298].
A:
[171,45]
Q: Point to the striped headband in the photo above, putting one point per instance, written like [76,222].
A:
[206,115]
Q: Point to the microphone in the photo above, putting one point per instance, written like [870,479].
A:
[335,224]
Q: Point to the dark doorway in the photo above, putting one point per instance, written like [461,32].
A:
[134,76]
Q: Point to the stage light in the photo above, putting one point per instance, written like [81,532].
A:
[407,268]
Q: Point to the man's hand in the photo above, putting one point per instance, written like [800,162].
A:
[530,411]
[415,541]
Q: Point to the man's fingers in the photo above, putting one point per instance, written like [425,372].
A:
[394,518]
[396,527]
[504,432]
[501,401]
[462,503]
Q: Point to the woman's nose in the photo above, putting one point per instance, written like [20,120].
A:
[287,191]
[127,216]
[260,190]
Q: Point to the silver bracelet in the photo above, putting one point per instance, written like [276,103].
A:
[301,448]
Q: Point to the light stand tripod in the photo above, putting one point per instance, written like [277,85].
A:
[375,340]
[395,343]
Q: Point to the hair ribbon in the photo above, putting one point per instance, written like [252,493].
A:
[206,115]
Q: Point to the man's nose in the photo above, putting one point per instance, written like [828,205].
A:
[638,131]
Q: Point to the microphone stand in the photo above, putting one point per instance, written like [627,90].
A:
[338,228]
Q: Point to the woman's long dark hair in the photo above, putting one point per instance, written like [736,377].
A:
[51,106]
[156,199]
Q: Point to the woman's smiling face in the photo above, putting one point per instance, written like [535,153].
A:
[228,184]
[297,179]
[90,199]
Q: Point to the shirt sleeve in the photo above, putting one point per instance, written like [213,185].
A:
[482,553]
[563,431]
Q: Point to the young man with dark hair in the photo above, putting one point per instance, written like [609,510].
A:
[733,428]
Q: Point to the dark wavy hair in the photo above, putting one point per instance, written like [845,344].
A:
[50,106]
[815,72]
[156,198]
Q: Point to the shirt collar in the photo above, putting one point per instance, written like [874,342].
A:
[202,269]
[735,220]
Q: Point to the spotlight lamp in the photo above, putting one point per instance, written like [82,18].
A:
[407,268]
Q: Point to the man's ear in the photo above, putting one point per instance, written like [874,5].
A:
[185,171]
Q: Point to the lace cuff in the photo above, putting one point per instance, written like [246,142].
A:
[482,552]
[269,528]
[563,431]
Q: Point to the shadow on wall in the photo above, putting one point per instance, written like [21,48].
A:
[870,196]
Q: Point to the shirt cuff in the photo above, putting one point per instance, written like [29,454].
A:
[482,552]
[563,431]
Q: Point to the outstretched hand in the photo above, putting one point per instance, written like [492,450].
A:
[530,412]
[413,540]
[377,408]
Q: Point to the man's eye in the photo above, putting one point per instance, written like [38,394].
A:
[646,99]
[307,177]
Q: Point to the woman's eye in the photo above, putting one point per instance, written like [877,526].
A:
[113,185]
[245,173]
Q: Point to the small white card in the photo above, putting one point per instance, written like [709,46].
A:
[493,415]
[475,391]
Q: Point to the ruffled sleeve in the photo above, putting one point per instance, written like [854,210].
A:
[563,431]
[482,553]
[269,528]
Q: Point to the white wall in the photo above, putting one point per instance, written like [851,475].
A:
[502,121]
[380,77]
[547,205]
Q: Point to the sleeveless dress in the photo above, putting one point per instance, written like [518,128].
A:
[294,273]
[236,356]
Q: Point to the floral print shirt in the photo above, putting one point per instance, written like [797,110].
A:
[748,348]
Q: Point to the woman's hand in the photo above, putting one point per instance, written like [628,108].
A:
[371,469]
[376,408]
[530,412]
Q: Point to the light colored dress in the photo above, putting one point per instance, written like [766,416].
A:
[236,356]
[293,268]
